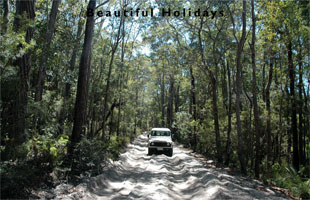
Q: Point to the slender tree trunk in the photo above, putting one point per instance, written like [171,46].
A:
[121,77]
[44,59]
[307,122]
[268,131]
[3,32]
[5,17]
[177,99]
[216,122]
[162,98]
[281,127]
[111,123]
[288,131]
[241,149]
[73,57]
[193,110]
[136,112]
[228,143]
[280,114]
[67,93]
[80,108]
[263,81]
[249,137]
[293,106]
[300,108]
[106,93]
[170,103]
[225,96]
[214,94]
[254,91]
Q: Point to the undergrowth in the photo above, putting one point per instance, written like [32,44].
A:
[42,162]
[298,183]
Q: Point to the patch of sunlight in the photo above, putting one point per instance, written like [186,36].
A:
[212,190]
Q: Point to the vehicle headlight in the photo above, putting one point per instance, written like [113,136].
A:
[168,144]
[152,144]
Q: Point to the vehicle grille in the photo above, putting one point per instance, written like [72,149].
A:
[160,144]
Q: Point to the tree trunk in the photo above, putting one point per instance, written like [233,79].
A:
[307,122]
[228,117]
[241,149]
[44,59]
[293,106]
[212,77]
[26,8]
[111,124]
[14,116]
[254,91]
[288,131]
[5,17]
[14,104]
[136,111]
[216,122]
[162,98]
[3,32]
[170,103]
[106,93]
[263,81]
[121,77]
[177,99]
[281,127]
[73,56]
[193,106]
[300,108]
[80,108]
[268,131]
[64,113]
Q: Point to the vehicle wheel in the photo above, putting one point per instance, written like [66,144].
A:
[170,152]
[150,152]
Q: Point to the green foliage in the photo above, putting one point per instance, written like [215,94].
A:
[48,147]
[35,159]
[115,145]
[183,124]
[90,155]
[13,46]
[18,177]
[287,177]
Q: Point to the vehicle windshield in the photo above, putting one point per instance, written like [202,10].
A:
[160,133]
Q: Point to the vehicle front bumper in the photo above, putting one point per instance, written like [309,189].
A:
[160,148]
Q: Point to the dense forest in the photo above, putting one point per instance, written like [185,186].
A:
[81,79]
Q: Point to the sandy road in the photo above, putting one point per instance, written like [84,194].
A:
[140,176]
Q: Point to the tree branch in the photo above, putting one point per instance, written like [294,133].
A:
[107,1]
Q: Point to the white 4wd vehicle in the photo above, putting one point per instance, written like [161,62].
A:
[160,140]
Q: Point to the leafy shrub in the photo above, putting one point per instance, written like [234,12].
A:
[115,145]
[287,177]
[19,177]
[35,160]
[183,125]
[89,155]
[48,148]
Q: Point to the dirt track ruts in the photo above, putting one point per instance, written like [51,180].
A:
[140,176]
